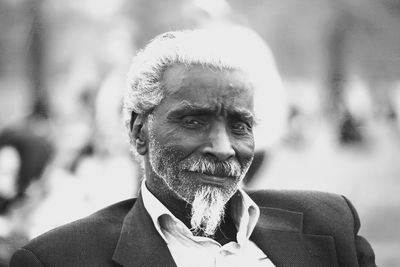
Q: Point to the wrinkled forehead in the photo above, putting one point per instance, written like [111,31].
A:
[214,108]
[218,86]
[204,86]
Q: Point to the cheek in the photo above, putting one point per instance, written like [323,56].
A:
[244,151]
[177,139]
[175,145]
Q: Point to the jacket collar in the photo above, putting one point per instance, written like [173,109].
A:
[139,243]
[278,233]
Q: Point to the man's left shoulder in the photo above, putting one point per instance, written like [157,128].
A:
[299,197]
[317,214]
[312,204]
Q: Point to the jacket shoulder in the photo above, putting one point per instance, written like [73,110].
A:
[322,212]
[296,198]
[91,238]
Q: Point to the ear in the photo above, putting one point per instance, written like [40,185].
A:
[139,132]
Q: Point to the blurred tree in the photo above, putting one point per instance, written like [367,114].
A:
[36,60]
[336,78]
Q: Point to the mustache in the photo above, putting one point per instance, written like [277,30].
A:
[230,168]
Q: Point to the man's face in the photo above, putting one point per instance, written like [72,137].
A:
[201,133]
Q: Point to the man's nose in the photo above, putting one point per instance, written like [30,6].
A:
[219,145]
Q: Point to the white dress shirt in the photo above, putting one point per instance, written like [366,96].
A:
[189,250]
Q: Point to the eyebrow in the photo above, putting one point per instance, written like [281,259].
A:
[244,115]
[186,108]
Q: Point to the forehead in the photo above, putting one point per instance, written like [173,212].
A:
[195,84]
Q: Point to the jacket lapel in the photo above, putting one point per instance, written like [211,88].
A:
[139,243]
[279,233]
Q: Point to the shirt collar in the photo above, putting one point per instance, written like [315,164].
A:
[156,209]
[244,212]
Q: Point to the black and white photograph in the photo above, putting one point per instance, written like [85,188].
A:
[209,133]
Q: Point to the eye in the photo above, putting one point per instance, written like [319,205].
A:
[240,127]
[192,122]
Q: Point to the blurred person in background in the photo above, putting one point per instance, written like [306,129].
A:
[24,156]
[190,109]
[91,157]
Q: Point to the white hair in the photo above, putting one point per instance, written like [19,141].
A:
[226,48]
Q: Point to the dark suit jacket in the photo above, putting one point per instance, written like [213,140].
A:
[295,229]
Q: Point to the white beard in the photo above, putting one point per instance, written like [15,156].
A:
[208,210]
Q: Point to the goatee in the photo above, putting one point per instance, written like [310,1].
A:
[208,210]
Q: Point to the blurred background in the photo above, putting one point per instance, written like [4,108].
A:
[63,151]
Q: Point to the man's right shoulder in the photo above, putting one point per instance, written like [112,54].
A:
[93,236]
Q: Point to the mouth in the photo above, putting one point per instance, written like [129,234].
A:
[214,178]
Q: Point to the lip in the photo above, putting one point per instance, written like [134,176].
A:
[215,180]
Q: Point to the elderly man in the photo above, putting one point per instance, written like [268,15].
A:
[190,110]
